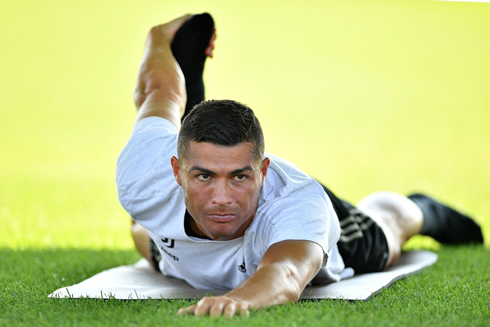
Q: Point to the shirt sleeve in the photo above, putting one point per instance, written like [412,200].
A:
[143,170]
[307,216]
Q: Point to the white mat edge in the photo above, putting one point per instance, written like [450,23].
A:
[310,293]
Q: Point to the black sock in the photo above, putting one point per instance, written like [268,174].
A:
[445,224]
[188,47]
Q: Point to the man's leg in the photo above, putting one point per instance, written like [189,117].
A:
[160,89]
[192,40]
[445,224]
[363,244]
[398,217]
[402,217]
[192,43]
[141,241]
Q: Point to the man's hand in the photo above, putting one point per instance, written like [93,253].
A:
[216,307]
[281,277]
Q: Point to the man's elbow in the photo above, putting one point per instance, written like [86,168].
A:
[298,278]
[296,283]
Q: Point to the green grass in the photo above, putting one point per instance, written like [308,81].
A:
[363,96]
[452,292]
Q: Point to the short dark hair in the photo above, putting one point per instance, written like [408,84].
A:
[221,122]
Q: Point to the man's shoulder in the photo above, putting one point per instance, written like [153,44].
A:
[286,182]
[155,124]
[152,139]
[143,168]
[290,194]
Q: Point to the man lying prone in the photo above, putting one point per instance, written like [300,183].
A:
[211,208]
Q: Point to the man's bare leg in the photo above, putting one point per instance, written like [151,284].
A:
[161,86]
[160,90]
[402,217]
[399,218]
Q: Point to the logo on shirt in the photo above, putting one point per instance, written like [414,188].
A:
[166,241]
[170,254]
[242,268]
[169,244]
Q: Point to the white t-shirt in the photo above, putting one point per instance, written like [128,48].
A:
[292,206]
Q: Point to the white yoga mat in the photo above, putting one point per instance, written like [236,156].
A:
[140,281]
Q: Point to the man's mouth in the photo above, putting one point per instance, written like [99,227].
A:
[221,218]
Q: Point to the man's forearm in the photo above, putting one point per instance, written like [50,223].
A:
[281,277]
[273,284]
[276,283]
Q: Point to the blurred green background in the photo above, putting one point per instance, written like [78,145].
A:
[364,96]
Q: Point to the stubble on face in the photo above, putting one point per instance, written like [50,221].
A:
[221,186]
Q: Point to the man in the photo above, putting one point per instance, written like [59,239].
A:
[223,215]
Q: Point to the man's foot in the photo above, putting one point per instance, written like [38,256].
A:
[192,43]
[170,28]
[446,225]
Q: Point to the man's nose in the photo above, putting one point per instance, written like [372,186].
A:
[221,194]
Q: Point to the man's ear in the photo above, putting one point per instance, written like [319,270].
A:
[265,167]
[176,169]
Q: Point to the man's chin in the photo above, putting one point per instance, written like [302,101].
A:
[223,235]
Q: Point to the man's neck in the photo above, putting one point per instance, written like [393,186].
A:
[190,227]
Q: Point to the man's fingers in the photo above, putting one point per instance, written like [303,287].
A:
[217,309]
[230,310]
[242,311]
[204,306]
[233,308]
[187,311]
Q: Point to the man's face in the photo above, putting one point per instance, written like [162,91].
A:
[221,186]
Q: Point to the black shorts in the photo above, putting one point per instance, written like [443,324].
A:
[362,243]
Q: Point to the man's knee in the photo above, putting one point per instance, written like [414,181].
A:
[397,204]
[404,212]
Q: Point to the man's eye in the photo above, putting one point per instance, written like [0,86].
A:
[203,177]
[240,177]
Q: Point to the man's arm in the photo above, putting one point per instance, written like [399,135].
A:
[283,273]
[160,90]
